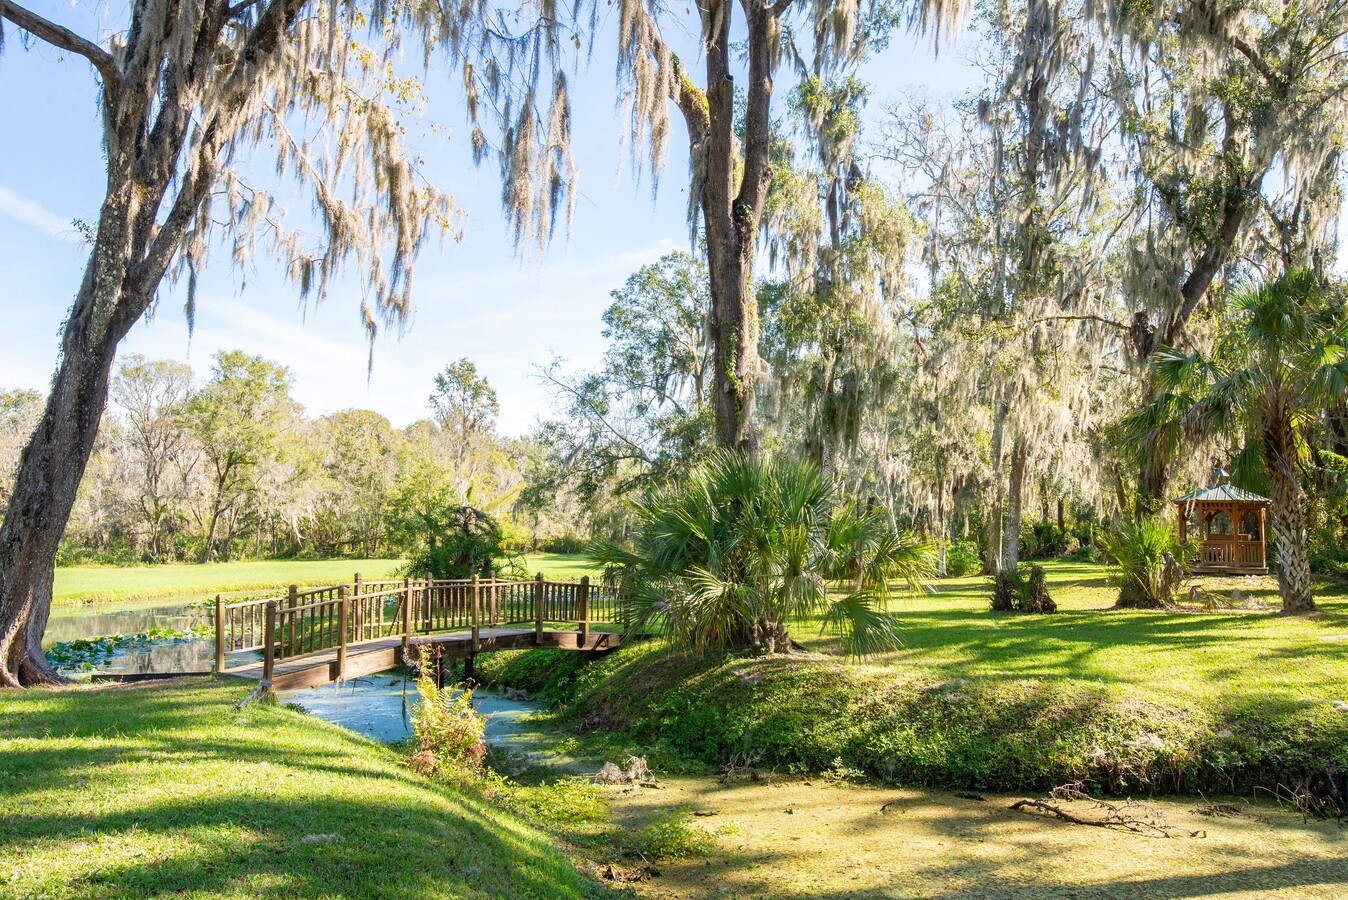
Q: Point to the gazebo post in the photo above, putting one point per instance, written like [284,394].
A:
[1183,522]
[1263,537]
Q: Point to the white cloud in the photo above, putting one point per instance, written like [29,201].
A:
[35,214]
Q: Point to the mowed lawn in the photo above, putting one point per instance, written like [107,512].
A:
[80,584]
[174,791]
[1231,659]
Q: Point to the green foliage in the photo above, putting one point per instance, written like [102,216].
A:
[962,558]
[732,554]
[1147,562]
[85,655]
[671,834]
[1133,700]
[1019,590]
[460,542]
[447,732]
[1045,540]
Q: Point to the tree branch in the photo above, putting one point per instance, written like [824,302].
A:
[62,38]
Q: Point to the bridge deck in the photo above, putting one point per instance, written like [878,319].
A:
[368,657]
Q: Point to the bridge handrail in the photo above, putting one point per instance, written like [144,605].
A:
[332,617]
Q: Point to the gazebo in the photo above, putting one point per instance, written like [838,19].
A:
[1232,524]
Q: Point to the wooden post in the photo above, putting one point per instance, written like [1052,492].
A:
[293,601]
[219,634]
[493,610]
[477,611]
[584,610]
[426,601]
[269,643]
[407,616]
[356,591]
[1263,537]
[343,614]
[538,609]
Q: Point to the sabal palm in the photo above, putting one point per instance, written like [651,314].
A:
[744,545]
[1269,380]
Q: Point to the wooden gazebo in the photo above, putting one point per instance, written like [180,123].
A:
[1233,525]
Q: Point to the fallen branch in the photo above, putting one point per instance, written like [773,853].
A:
[1137,818]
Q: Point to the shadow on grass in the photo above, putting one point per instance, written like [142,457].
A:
[150,791]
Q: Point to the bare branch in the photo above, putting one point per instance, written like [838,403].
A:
[63,38]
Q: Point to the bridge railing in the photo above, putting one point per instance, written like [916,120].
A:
[321,619]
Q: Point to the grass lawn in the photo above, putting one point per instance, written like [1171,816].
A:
[87,584]
[172,790]
[1231,659]
[563,566]
[75,584]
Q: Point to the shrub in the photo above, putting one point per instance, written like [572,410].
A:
[671,834]
[962,558]
[447,733]
[1015,591]
[1044,540]
[460,542]
[743,545]
[1147,563]
[563,543]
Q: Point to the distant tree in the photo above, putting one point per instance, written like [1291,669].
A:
[466,407]
[645,413]
[153,394]
[239,416]
[360,460]
[1283,360]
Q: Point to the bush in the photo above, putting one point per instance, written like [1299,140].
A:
[447,733]
[460,542]
[1147,563]
[1015,591]
[1044,540]
[962,558]
[564,543]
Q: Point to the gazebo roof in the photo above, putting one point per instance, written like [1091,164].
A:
[1222,493]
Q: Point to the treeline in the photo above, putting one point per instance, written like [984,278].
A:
[229,466]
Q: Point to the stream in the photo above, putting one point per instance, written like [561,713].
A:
[178,630]
[380,706]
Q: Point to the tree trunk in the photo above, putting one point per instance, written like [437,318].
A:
[1015,490]
[992,563]
[53,463]
[1288,502]
[731,197]
[1062,519]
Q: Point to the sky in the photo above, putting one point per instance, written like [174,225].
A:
[477,299]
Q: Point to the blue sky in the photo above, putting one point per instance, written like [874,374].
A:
[476,299]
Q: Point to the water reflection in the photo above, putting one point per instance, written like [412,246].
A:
[92,621]
[381,707]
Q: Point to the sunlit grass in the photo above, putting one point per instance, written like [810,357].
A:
[92,583]
[82,584]
[174,791]
[1233,657]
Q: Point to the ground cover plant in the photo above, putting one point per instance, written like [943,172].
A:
[173,790]
[1130,700]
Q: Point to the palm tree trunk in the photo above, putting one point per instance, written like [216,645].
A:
[1289,523]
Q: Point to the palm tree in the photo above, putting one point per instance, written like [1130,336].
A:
[1271,376]
[744,545]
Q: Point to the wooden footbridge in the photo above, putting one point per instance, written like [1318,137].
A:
[314,637]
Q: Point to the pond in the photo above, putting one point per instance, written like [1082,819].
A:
[131,637]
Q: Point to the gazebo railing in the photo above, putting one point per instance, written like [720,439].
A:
[1234,553]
